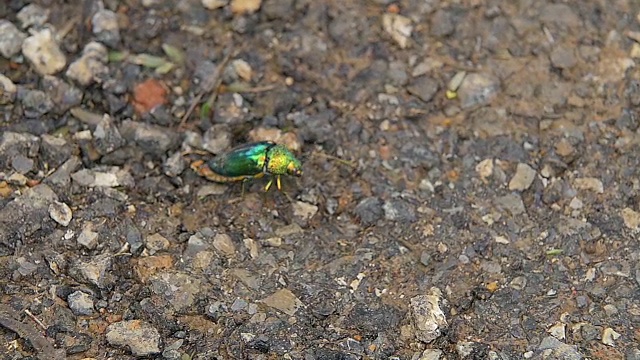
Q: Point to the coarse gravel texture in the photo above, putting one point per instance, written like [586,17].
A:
[471,180]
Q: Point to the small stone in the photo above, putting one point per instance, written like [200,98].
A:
[44,53]
[424,88]
[288,139]
[88,238]
[399,27]
[288,230]
[32,15]
[152,139]
[428,318]
[431,354]
[610,310]
[442,23]
[556,349]
[105,27]
[11,39]
[576,204]
[631,218]
[63,95]
[523,178]
[224,244]
[106,137]
[21,164]
[155,243]
[179,289]
[141,338]
[369,210]
[211,189]
[174,165]
[592,184]
[242,69]
[477,89]
[217,139]
[304,210]
[95,271]
[36,103]
[563,57]
[609,336]
[245,6]
[511,203]
[283,300]
[55,150]
[17,179]
[485,168]
[91,66]
[60,213]
[399,210]
[214,4]
[8,90]
[558,331]
[80,303]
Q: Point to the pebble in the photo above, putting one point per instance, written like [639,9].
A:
[114,178]
[55,150]
[563,57]
[428,318]
[180,289]
[283,300]
[224,244]
[485,168]
[32,15]
[106,136]
[511,203]
[152,139]
[21,164]
[556,349]
[523,178]
[43,52]
[60,213]
[424,87]
[155,243]
[245,6]
[399,27]
[94,271]
[174,165]
[477,89]
[242,69]
[369,211]
[217,139]
[558,331]
[214,4]
[609,336]
[631,218]
[431,354]
[399,210]
[141,338]
[80,303]
[36,103]
[288,139]
[11,39]
[105,27]
[591,184]
[64,95]
[211,189]
[91,66]
[304,210]
[87,237]
[8,90]
[442,23]
[17,179]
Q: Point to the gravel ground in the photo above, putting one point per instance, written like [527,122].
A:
[470,185]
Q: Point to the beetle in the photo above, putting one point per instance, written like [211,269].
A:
[251,161]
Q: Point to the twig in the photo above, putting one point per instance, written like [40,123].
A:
[213,84]
[342,161]
[26,311]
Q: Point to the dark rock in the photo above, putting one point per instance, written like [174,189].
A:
[424,88]
[36,103]
[369,210]
[399,210]
[55,150]
[106,137]
[64,95]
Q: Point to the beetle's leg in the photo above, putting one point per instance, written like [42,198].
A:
[278,183]
[266,188]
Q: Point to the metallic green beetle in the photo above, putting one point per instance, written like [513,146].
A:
[251,161]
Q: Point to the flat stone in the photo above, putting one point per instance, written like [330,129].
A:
[140,337]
